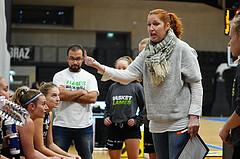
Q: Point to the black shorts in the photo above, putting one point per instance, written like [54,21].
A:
[148,141]
[119,133]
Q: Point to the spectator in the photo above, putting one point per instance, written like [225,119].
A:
[73,121]
[122,103]
[230,132]
[35,85]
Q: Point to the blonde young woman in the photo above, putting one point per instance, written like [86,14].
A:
[231,128]
[43,139]
[35,103]
[172,83]
[122,102]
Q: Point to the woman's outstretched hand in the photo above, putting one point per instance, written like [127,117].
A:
[89,61]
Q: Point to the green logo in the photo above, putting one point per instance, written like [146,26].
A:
[122,102]
[73,83]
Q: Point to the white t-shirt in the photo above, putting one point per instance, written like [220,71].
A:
[72,114]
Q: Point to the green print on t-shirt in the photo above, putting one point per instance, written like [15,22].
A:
[122,100]
[73,83]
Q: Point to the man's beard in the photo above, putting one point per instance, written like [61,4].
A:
[74,68]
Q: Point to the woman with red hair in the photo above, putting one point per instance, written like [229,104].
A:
[172,83]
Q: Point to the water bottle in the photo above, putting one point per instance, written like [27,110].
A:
[10,127]
[14,144]
[11,130]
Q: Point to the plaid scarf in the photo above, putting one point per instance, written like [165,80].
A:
[157,56]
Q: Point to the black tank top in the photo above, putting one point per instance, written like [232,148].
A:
[46,123]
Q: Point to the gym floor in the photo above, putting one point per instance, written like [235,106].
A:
[209,129]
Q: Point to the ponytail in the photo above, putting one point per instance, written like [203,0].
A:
[18,94]
[176,25]
[24,97]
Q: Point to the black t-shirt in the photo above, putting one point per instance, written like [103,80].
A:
[236,92]
[122,102]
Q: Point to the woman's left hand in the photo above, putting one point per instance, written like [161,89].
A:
[193,126]
[131,122]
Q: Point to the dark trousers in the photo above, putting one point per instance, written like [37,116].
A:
[83,139]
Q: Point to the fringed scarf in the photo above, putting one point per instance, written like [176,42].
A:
[157,56]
